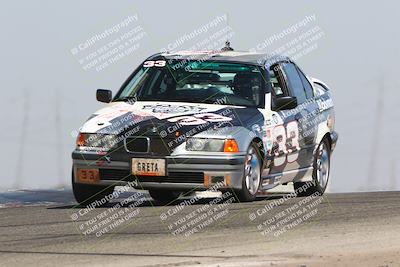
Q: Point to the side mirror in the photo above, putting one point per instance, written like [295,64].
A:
[285,102]
[103,95]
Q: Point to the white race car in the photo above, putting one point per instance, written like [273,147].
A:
[190,121]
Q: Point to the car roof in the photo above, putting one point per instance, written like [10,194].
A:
[225,56]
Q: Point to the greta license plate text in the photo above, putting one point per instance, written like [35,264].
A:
[149,167]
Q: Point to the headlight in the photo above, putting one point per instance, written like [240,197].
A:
[101,142]
[211,145]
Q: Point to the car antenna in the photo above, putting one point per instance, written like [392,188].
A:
[227,46]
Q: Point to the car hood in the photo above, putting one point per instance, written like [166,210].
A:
[166,117]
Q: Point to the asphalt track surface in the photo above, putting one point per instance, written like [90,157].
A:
[352,229]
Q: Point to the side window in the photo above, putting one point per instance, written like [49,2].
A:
[307,86]
[277,81]
[295,83]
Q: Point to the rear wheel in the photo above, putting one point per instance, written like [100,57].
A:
[252,175]
[164,196]
[86,194]
[321,168]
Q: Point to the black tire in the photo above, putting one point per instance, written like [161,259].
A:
[304,189]
[164,196]
[245,194]
[86,194]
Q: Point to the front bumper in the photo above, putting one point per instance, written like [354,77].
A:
[186,172]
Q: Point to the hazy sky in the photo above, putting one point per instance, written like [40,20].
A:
[47,94]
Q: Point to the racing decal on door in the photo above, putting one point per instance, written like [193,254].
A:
[292,141]
[285,145]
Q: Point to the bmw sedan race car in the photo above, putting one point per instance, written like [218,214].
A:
[192,121]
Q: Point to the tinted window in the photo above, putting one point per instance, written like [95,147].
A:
[295,83]
[307,86]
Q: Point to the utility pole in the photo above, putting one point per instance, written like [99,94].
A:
[22,139]
[59,143]
[376,132]
[393,181]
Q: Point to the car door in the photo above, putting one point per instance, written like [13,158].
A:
[284,130]
[304,118]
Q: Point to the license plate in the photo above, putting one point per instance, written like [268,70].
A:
[148,167]
[88,176]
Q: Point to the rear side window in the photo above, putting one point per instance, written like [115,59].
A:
[295,83]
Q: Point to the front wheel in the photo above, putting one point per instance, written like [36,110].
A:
[320,176]
[252,175]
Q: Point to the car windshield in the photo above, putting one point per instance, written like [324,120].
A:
[196,82]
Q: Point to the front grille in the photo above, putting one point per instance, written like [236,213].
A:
[157,146]
[137,144]
[173,177]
